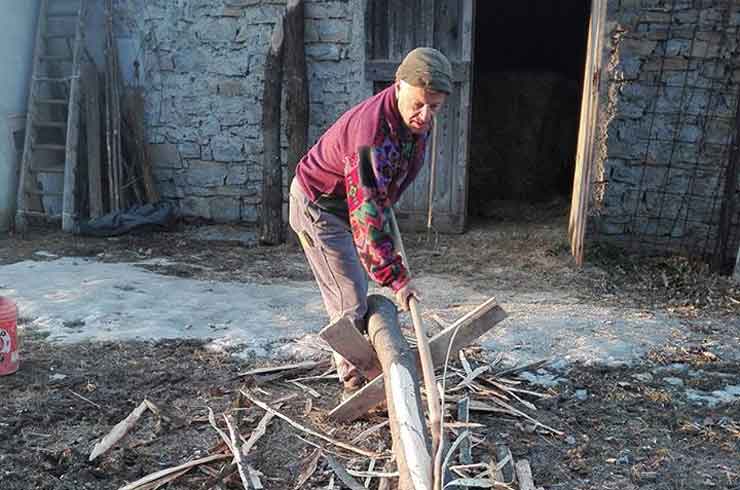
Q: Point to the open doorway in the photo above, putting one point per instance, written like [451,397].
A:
[528,75]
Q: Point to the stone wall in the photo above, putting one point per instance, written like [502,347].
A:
[670,91]
[202,64]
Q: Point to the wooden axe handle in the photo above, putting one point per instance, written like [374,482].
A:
[425,353]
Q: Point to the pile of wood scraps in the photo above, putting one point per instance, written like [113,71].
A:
[357,456]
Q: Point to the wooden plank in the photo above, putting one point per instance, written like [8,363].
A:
[345,339]
[385,71]
[272,174]
[469,328]
[296,91]
[737,267]
[69,201]
[586,132]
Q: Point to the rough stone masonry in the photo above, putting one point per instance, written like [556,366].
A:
[669,93]
[667,123]
[202,64]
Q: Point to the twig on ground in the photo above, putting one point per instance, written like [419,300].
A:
[344,445]
[119,431]
[159,475]
[85,399]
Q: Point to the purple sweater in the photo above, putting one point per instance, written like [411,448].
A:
[330,170]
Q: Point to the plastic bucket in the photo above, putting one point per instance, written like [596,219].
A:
[9,357]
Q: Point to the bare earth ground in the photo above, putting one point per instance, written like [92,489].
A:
[622,428]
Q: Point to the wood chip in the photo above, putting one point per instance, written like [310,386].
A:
[118,431]
[342,474]
[311,463]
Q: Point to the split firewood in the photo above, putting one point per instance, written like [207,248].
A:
[119,430]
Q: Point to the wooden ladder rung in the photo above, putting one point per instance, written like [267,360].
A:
[47,57]
[62,14]
[50,124]
[52,80]
[52,101]
[36,192]
[49,146]
[48,170]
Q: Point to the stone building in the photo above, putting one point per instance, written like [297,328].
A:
[644,151]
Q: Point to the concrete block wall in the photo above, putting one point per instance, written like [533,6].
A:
[202,64]
[670,93]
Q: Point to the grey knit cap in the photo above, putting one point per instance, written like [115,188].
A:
[428,68]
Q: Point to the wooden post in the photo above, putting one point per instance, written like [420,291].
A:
[296,90]
[411,442]
[727,212]
[69,200]
[272,176]
[91,85]
[737,267]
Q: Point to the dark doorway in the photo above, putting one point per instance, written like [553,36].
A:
[528,75]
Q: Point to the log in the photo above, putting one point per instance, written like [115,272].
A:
[411,441]
[469,328]
[345,339]
[272,176]
[296,89]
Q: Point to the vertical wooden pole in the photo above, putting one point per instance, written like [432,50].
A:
[91,85]
[272,176]
[296,90]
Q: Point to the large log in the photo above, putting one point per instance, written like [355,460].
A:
[411,441]
[469,328]
[296,89]
[272,173]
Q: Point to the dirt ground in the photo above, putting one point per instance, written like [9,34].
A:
[621,428]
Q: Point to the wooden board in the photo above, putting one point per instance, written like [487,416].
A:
[585,151]
[469,328]
[345,339]
[91,87]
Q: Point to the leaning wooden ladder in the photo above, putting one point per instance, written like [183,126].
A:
[53,119]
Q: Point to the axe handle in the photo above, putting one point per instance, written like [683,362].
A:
[425,354]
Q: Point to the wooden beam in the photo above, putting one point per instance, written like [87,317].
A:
[469,328]
[272,173]
[345,339]
[91,87]
[296,91]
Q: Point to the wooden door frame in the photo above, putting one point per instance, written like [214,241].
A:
[586,147]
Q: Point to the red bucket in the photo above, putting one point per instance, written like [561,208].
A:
[9,358]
